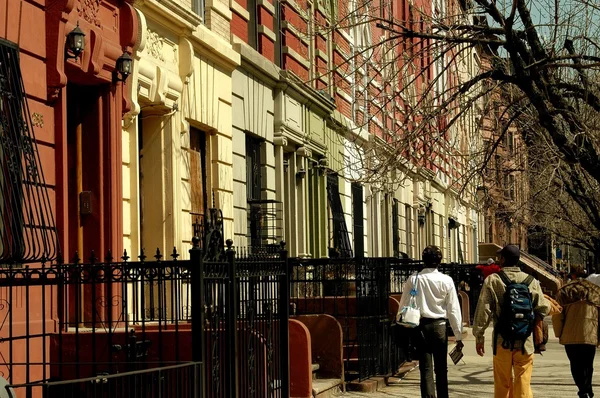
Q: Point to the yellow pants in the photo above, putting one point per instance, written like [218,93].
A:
[505,363]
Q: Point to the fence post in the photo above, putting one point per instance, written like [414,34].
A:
[197,282]
[232,303]
[284,308]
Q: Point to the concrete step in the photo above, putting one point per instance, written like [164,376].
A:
[315,369]
[369,385]
[326,388]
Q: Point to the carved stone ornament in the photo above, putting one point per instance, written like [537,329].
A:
[154,45]
[89,10]
[37,119]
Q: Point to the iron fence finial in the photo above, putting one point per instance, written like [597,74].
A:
[93,257]
[142,256]
[125,256]
[158,256]
[109,257]
[76,258]
[174,255]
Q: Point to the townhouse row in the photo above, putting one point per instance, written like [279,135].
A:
[231,104]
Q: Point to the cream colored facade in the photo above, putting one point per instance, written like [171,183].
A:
[182,94]
[195,92]
[301,115]
[254,114]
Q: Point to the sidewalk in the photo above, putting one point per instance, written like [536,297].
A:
[472,377]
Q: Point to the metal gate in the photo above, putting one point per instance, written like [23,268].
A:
[356,292]
[246,323]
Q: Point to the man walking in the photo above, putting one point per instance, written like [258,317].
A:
[437,300]
[577,328]
[514,355]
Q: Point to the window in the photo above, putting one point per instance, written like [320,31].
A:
[197,154]
[509,186]
[198,8]
[358,219]
[409,228]
[253,24]
[318,212]
[339,244]
[253,189]
[253,168]
[498,164]
[510,142]
[27,231]
[395,229]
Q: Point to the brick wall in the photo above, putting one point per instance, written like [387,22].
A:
[218,23]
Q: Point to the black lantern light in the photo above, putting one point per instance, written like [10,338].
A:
[75,43]
[124,67]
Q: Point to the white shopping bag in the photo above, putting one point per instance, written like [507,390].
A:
[410,315]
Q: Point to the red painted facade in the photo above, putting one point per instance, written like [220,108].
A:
[62,93]
[81,92]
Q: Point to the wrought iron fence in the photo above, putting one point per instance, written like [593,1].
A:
[76,328]
[256,282]
[78,320]
[182,381]
[465,276]
[355,291]
[358,292]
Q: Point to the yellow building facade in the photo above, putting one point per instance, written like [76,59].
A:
[177,141]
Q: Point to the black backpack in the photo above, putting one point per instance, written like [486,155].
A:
[517,319]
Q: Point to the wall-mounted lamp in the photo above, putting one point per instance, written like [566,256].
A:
[301,173]
[286,165]
[123,68]
[75,43]
[421,219]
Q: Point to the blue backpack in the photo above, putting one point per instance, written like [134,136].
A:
[517,319]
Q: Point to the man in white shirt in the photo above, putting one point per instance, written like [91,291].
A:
[437,301]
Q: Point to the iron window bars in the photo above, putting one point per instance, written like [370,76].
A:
[28,230]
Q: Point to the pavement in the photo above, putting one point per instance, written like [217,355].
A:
[472,377]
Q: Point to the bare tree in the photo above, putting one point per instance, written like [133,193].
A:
[422,88]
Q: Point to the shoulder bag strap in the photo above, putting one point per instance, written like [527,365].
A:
[528,280]
[504,278]
[415,290]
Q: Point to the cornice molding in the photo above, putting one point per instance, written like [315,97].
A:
[293,86]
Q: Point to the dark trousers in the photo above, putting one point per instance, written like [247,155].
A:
[433,358]
[581,357]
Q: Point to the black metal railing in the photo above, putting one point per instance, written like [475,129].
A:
[79,320]
[355,292]
[358,293]
[256,282]
[542,264]
[183,380]
[65,327]
[466,278]
[265,223]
